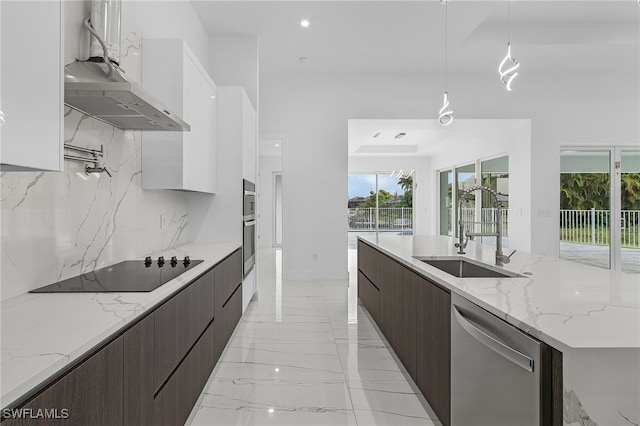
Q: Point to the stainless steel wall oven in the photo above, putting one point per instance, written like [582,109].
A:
[249,225]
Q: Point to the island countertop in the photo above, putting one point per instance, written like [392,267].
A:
[565,304]
[591,315]
[43,333]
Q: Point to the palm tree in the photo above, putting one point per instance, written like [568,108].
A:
[406,183]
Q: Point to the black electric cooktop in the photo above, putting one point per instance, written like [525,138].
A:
[127,276]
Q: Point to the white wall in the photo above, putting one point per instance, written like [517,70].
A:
[234,62]
[514,140]
[583,109]
[313,111]
[268,165]
[168,19]
[422,179]
[565,110]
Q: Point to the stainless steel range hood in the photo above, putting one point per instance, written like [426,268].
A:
[116,101]
[101,89]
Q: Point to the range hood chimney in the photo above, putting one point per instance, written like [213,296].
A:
[99,88]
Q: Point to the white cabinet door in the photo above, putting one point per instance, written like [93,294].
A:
[249,163]
[183,161]
[31,88]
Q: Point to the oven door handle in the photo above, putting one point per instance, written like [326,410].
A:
[249,223]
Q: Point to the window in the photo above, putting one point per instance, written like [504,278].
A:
[380,203]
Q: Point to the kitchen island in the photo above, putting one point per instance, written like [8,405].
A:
[589,314]
[46,334]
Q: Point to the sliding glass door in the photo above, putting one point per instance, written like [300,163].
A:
[600,207]
[446,202]
[628,183]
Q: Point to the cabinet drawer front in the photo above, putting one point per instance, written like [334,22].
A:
[173,404]
[368,261]
[179,323]
[369,296]
[91,394]
[226,321]
[433,372]
[137,381]
[228,274]
[232,312]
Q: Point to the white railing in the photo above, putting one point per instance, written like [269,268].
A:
[388,219]
[593,227]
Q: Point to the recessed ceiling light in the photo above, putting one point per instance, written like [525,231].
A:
[277,145]
[400,135]
[303,59]
[305,23]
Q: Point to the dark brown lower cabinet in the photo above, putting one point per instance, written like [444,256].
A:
[137,382]
[368,261]
[433,374]
[175,400]
[369,295]
[90,394]
[391,302]
[179,322]
[413,314]
[153,372]
[228,316]
[388,277]
[404,300]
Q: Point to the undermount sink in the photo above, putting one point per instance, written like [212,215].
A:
[462,268]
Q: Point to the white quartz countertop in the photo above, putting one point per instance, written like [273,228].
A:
[43,332]
[565,304]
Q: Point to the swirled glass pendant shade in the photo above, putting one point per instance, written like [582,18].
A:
[445,114]
[507,75]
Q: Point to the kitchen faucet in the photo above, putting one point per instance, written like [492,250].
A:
[465,234]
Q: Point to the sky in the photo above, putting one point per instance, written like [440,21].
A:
[361,185]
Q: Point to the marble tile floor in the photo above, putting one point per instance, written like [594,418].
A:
[305,353]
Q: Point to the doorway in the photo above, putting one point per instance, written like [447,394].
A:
[277,209]
[600,207]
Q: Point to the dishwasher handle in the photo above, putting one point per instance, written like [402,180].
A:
[518,358]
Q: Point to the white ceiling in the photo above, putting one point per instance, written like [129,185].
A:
[408,36]
[358,36]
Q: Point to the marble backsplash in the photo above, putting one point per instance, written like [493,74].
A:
[59,224]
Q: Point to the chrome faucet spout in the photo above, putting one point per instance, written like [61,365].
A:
[464,235]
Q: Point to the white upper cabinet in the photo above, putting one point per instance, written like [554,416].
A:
[31,87]
[249,147]
[237,133]
[179,160]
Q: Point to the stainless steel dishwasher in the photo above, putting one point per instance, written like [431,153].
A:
[495,370]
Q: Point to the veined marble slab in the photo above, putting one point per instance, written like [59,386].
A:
[591,315]
[43,333]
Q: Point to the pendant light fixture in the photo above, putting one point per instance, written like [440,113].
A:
[445,115]
[509,65]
